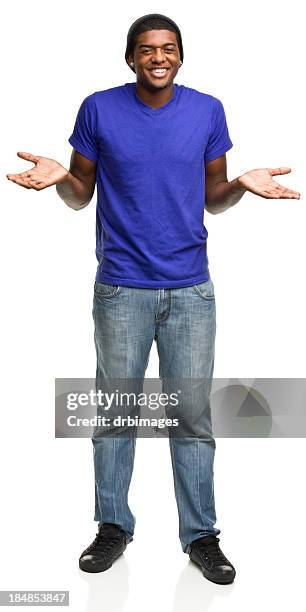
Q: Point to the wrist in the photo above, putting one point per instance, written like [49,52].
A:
[239,184]
[64,177]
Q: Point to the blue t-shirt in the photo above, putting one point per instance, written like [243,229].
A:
[151,182]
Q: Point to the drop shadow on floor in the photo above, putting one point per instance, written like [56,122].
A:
[107,590]
[194,592]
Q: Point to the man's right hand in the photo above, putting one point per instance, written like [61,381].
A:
[45,172]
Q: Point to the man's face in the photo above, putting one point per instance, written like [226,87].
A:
[156,50]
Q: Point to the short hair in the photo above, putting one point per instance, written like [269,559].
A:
[153,21]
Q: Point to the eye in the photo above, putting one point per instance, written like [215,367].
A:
[147,51]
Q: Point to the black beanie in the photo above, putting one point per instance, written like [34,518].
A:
[133,32]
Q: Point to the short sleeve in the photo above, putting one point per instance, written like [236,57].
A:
[219,141]
[83,137]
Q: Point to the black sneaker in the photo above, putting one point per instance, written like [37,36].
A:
[108,545]
[206,553]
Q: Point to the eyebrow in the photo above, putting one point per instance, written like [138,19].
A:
[164,45]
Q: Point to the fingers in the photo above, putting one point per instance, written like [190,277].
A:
[28,156]
[22,175]
[38,185]
[278,191]
[282,192]
[281,170]
[20,181]
[290,195]
[29,180]
[31,183]
[27,173]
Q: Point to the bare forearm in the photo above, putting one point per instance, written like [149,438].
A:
[223,195]
[73,192]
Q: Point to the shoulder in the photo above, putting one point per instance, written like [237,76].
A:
[101,98]
[106,95]
[193,93]
[199,98]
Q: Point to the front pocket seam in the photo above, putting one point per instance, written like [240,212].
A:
[209,298]
[106,295]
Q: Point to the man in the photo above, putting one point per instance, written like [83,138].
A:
[147,144]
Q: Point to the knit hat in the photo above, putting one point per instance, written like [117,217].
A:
[154,19]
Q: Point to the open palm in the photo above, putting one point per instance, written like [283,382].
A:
[45,172]
[261,183]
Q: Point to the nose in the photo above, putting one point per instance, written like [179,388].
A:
[158,56]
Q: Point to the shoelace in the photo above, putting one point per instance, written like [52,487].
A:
[104,541]
[212,552]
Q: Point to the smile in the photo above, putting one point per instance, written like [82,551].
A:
[158,72]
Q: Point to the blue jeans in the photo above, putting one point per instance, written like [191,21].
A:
[183,323]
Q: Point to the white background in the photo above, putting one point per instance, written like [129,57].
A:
[250,56]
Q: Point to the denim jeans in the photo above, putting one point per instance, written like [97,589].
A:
[182,321]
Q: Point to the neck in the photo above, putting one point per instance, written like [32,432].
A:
[155,98]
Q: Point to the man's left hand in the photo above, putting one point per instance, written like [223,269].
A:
[261,183]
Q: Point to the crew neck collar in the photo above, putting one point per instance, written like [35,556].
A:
[149,109]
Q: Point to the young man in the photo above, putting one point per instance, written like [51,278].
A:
[157,152]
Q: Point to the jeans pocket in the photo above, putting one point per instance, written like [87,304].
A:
[103,290]
[206,290]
